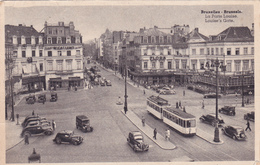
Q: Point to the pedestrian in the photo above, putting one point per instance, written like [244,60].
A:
[183,92]
[177,104]
[168,134]
[143,121]
[26,139]
[248,125]
[154,133]
[53,125]
[144,92]
[33,112]
[203,104]
[76,88]
[184,110]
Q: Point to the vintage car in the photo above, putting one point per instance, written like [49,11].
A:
[54,97]
[166,90]
[82,123]
[250,116]
[228,110]
[68,136]
[41,122]
[211,95]
[31,99]
[211,119]
[136,141]
[29,118]
[108,83]
[37,130]
[37,119]
[235,132]
[42,98]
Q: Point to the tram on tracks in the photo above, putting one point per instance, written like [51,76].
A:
[182,122]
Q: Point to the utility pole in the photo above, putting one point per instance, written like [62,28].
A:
[125,106]
[216,133]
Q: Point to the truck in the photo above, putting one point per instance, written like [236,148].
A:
[83,123]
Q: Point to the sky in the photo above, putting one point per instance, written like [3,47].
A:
[93,20]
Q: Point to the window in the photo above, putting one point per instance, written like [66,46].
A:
[59,40]
[169,39]
[59,65]
[221,51]
[68,53]
[40,53]
[245,65]
[153,39]
[169,65]
[77,52]
[161,65]
[50,66]
[161,51]
[161,39]
[237,66]
[252,50]
[229,67]
[49,40]
[77,39]
[237,51]
[245,51]
[49,53]
[201,65]
[153,65]
[193,51]
[14,53]
[228,51]
[145,65]
[50,31]
[41,67]
[208,53]
[212,51]
[202,51]
[145,39]
[78,65]
[69,65]
[177,64]
[177,52]
[252,65]
[217,53]
[23,54]
[153,52]
[184,64]
[145,52]
[68,40]
[33,53]
[59,53]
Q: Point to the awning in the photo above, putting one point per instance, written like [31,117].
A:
[24,69]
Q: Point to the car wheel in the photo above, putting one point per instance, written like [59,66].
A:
[234,137]
[27,133]
[58,141]
[74,143]
[47,133]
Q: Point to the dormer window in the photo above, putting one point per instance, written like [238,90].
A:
[68,41]
[49,40]
[33,40]
[161,39]
[145,39]
[169,39]
[59,40]
[219,38]
[77,39]
[23,40]
[14,40]
[153,39]
[40,39]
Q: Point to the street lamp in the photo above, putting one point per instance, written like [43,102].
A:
[124,51]
[216,135]
[242,88]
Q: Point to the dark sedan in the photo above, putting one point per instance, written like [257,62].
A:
[68,136]
[235,132]
[136,141]
[211,119]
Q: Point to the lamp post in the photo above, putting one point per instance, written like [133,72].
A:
[242,88]
[216,133]
[125,105]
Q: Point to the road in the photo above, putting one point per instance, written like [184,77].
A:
[107,143]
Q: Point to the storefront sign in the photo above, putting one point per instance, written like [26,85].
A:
[157,58]
[62,47]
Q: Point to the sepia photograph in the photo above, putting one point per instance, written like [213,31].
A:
[128,82]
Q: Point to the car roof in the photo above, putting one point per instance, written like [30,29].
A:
[236,127]
[66,132]
[136,133]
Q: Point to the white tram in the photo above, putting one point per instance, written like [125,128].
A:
[183,122]
[155,105]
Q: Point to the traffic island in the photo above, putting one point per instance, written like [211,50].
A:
[207,137]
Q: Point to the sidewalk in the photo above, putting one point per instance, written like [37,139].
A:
[205,136]
[160,140]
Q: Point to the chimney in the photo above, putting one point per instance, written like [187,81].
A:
[141,30]
[155,27]
[196,29]
[31,26]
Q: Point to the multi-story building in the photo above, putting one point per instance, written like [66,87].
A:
[27,56]
[63,56]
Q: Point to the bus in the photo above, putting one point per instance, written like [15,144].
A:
[155,105]
[182,122]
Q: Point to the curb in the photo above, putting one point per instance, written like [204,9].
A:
[212,142]
[14,145]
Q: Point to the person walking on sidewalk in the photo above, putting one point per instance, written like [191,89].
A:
[167,134]
[144,92]
[53,125]
[154,133]
[248,125]
[26,139]
[33,112]
[203,104]
[143,121]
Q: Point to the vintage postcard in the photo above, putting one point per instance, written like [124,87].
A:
[129,82]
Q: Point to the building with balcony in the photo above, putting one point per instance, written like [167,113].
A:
[63,56]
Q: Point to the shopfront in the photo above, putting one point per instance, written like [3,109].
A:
[33,84]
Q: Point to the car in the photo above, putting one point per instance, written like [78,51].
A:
[228,110]
[102,83]
[235,132]
[54,97]
[108,83]
[211,119]
[40,119]
[68,136]
[166,90]
[82,122]
[31,118]
[38,122]
[42,98]
[31,99]
[136,141]
[250,116]
[37,130]
[211,95]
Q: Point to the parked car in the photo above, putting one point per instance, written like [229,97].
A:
[102,83]
[68,136]
[37,130]
[54,97]
[82,122]
[42,122]
[136,141]
[166,90]
[211,95]
[108,83]
[228,110]
[39,119]
[42,98]
[29,117]
[31,99]
[211,119]
[235,132]
[250,116]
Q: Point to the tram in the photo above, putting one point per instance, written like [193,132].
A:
[182,122]
[155,105]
